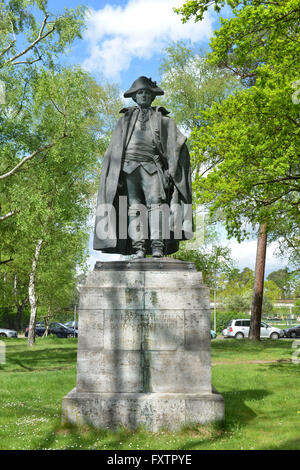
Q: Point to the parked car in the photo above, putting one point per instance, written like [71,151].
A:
[224,332]
[293,332]
[239,329]
[55,328]
[213,334]
[4,333]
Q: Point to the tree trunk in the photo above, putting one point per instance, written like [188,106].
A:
[32,294]
[256,307]
[19,305]
[18,317]
[46,319]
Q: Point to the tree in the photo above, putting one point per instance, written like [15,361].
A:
[25,43]
[236,291]
[62,185]
[54,126]
[249,144]
[286,281]
[53,195]
[192,84]
[258,288]
[207,253]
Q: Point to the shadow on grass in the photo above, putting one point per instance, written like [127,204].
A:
[20,364]
[292,444]
[249,347]
[238,414]
[287,367]
[85,436]
[44,355]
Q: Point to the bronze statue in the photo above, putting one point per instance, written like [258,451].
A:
[147,165]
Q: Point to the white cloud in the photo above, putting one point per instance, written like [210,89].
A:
[141,28]
[245,255]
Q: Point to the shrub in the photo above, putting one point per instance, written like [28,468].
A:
[223,318]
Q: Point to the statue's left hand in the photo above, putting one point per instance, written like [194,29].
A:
[167,175]
[168,178]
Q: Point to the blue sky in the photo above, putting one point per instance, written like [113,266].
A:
[124,40]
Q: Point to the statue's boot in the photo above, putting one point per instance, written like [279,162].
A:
[141,253]
[155,218]
[157,252]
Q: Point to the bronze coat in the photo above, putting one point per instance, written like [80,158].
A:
[172,146]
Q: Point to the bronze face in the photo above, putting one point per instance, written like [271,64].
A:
[143,98]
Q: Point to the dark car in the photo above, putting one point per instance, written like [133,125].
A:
[293,332]
[55,328]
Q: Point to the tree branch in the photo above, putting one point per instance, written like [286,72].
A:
[6,216]
[278,180]
[8,47]
[6,261]
[30,157]
[56,107]
[40,37]
[27,61]
[23,97]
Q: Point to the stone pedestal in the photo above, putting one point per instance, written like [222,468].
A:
[144,348]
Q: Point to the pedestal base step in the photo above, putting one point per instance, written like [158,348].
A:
[154,411]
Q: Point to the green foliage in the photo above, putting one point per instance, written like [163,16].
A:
[296,309]
[197,8]
[287,281]
[237,302]
[207,253]
[25,39]
[249,146]
[53,195]
[223,319]
[54,126]
[235,291]
[210,261]
[192,84]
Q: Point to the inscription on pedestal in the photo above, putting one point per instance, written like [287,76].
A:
[137,330]
[162,330]
[123,330]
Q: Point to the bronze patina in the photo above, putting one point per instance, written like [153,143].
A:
[147,164]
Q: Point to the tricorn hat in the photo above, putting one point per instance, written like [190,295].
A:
[143,82]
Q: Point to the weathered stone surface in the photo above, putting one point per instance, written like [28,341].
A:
[131,279]
[123,329]
[111,298]
[146,264]
[144,350]
[196,328]
[178,372]
[163,279]
[152,410]
[109,371]
[91,322]
[165,298]
[210,407]
[162,330]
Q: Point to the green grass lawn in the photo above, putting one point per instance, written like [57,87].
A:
[262,400]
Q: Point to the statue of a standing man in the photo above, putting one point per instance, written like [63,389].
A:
[147,165]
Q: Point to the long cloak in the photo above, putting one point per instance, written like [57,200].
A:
[171,144]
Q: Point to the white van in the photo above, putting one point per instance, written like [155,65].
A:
[240,329]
